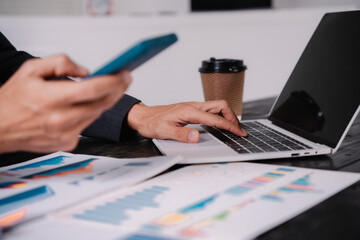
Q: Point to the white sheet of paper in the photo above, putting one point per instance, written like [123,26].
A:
[212,201]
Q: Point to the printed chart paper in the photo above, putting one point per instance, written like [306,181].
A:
[212,201]
[59,179]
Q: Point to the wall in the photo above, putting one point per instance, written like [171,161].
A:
[269,41]
[78,7]
[313,3]
[128,7]
[40,7]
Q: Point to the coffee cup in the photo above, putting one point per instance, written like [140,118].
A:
[223,79]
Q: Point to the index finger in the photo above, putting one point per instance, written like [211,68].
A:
[218,106]
[93,89]
[199,117]
[56,66]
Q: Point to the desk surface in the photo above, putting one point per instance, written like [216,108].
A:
[336,218]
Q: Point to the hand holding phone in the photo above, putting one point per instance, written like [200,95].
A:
[136,55]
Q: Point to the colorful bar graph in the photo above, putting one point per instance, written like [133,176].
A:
[301,185]
[259,181]
[115,212]
[74,168]
[24,198]
[184,214]
[51,161]
[197,229]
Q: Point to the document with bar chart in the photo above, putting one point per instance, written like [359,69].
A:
[214,201]
[59,179]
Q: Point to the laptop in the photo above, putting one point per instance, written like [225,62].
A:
[313,112]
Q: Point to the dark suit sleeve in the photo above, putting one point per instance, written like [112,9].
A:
[10,59]
[112,125]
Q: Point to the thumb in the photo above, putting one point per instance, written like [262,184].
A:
[185,134]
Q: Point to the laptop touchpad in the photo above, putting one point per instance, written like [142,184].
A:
[206,140]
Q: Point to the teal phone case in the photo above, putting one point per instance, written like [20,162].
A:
[136,55]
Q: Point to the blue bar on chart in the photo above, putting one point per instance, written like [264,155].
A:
[199,205]
[25,198]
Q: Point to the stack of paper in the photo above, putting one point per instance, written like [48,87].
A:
[57,180]
[212,201]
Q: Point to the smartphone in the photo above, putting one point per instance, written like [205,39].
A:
[136,55]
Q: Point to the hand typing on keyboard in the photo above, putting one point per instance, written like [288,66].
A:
[169,121]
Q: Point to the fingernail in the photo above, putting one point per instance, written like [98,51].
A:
[192,137]
[244,132]
[126,77]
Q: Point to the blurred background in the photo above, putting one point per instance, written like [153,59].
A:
[269,35]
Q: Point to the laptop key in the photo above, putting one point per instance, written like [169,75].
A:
[241,150]
[283,148]
[255,150]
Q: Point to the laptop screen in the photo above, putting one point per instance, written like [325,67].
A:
[323,91]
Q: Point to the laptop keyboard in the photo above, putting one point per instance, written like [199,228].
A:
[260,139]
